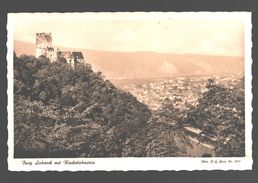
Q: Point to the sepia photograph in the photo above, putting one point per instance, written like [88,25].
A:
[86,88]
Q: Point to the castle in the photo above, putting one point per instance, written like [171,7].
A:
[44,48]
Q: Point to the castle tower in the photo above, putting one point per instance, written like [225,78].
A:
[44,46]
[43,43]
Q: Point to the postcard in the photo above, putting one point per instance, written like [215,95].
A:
[129,91]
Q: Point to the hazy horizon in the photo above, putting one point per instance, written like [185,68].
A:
[191,34]
[149,64]
[144,51]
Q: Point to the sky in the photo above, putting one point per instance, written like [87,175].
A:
[194,33]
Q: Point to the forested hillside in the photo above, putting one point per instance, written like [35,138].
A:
[65,112]
[220,114]
[61,112]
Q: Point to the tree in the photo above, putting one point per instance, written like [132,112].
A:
[65,112]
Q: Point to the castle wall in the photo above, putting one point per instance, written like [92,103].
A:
[41,52]
[198,149]
[67,55]
[52,54]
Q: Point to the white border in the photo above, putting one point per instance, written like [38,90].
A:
[178,163]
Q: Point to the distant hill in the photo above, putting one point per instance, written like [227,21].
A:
[150,64]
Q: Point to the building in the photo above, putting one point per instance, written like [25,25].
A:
[78,57]
[44,48]
[72,58]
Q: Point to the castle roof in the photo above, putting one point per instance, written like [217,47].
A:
[78,55]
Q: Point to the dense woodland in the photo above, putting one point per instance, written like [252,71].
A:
[65,112]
